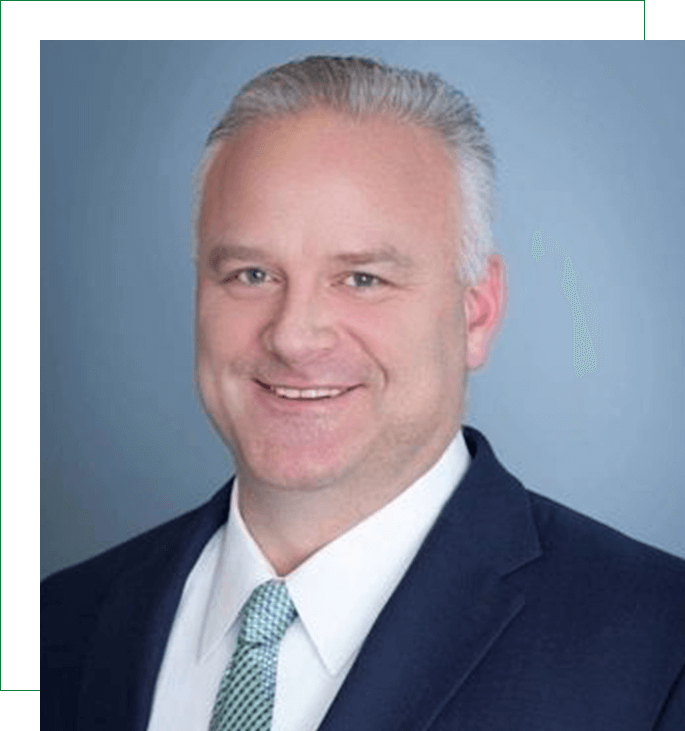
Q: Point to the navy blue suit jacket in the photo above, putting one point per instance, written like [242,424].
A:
[517,613]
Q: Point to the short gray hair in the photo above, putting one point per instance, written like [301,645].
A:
[362,87]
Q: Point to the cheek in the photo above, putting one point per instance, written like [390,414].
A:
[225,329]
[225,341]
[434,354]
[419,345]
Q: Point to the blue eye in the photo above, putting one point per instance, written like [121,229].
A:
[252,276]
[363,280]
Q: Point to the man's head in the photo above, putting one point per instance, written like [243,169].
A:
[334,325]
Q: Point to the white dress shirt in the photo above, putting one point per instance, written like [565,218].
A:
[338,593]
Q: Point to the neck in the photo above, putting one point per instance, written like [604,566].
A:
[290,527]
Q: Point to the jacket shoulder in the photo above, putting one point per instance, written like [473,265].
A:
[71,599]
[584,543]
[608,590]
[96,573]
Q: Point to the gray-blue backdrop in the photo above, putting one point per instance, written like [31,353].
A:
[584,395]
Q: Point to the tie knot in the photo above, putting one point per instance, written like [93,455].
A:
[267,614]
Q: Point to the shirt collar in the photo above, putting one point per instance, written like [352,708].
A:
[241,568]
[341,589]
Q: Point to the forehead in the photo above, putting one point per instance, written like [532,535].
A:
[343,172]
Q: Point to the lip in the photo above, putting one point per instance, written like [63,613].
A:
[305,386]
[285,394]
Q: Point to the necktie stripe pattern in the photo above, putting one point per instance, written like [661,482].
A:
[246,694]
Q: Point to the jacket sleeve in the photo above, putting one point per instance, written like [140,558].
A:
[672,716]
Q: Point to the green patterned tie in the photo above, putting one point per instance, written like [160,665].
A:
[245,700]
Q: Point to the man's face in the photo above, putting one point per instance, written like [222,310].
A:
[330,321]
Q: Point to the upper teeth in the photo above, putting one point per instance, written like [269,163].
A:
[306,392]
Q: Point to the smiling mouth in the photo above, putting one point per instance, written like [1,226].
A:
[305,394]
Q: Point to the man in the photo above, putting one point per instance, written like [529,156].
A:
[371,566]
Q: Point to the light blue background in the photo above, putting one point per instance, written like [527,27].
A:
[591,146]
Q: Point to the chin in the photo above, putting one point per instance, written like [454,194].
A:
[304,469]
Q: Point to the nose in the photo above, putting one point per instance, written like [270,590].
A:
[301,329]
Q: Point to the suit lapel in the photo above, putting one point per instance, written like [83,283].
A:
[449,609]
[135,621]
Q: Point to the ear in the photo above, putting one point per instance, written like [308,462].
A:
[484,306]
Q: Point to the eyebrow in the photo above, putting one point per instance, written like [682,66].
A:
[384,254]
[381,255]
[237,252]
